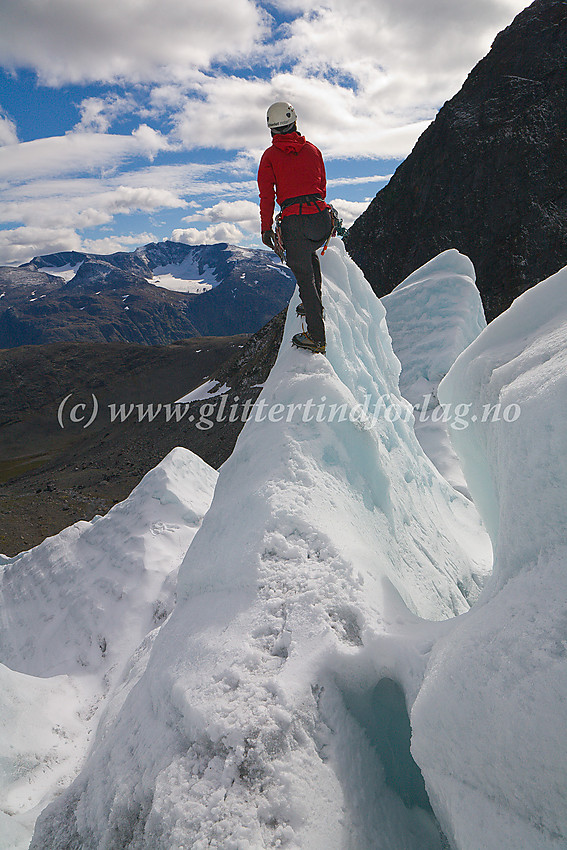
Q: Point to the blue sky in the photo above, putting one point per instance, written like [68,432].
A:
[129,121]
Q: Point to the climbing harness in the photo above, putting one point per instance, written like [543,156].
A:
[305,200]
[337,229]
[278,241]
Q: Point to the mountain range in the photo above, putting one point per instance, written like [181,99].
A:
[155,295]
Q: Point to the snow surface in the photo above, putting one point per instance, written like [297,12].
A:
[184,276]
[281,269]
[432,316]
[67,272]
[330,559]
[210,389]
[41,748]
[495,692]
[73,610]
[319,591]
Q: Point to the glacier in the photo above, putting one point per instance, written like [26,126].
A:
[73,612]
[495,693]
[327,657]
[331,560]
[432,316]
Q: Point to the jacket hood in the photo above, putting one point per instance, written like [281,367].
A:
[288,142]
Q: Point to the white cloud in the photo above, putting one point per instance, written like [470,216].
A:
[358,181]
[77,153]
[366,77]
[22,243]
[111,244]
[230,113]
[245,213]
[59,209]
[222,232]
[8,132]
[98,113]
[80,40]
[128,198]
[386,38]
[83,203]
[398,59]
[149,142]
[78,203]
[349,210]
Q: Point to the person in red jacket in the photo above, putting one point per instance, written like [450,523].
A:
[292,172]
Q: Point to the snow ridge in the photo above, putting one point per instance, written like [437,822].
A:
[326,544]
[73,610]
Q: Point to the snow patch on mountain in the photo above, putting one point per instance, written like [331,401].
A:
[281,269]
[67,271]
[489,722]
[326,567]
[186,276]
[204,392]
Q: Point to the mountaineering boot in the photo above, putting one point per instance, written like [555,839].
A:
[303,340]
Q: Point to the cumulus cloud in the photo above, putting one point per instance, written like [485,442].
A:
[8,132]
[333,117]
[58,210]
[349,210]
[366,76]
[20,244]
[77,153]
[245,213]
[111,244]
[223,232]
[149,142]
[98,113]
[381,40]
[78,40]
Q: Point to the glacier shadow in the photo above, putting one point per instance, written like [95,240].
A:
[381,715]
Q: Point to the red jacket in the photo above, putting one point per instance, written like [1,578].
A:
[289,168]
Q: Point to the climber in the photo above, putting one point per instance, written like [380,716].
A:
[293,172]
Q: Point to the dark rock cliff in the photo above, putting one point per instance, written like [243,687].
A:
[488,176]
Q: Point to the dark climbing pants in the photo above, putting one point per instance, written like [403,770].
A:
[302,235]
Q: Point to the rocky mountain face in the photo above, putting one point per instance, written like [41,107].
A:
[488,176]
[154,295]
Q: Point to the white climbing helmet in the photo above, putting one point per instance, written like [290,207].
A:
[281,114]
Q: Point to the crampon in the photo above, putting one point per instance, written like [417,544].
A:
[303,340]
